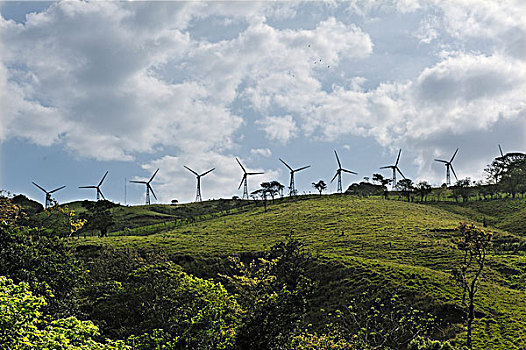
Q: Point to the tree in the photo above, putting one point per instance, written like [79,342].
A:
[24,326]
[98,216]
[423,189]
[406,188]
[44,261]
[320,186]
[382,181]
[509,171]
[273,292]
[193,313]
[382,320]
[262,192]
[474,244]
[462,189]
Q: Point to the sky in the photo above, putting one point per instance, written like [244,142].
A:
[130,87]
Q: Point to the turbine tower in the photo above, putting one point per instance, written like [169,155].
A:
[244,179]
[292,189]
[395,169]
[148,187]
[449,167]
[198,194]
[48,194]
[99,192]
[339,173]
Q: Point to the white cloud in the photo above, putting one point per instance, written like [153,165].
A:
[112,80]
[263,152]
[280,129]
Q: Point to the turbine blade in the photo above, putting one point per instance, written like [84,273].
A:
[440,160]
[400,172]
[453,170]
[138,182]
[39,187]
[255,173]
[196,174]
[350,172]
[57,189]
[242,167]
[501,153]
[153,175]
[305,167]
[203,174]
[87,186]
[337,172]
[242,179]
[151,189]
[387,167]
[101,194]
[338,159]
[454,154]
[286,164]
[100,183]
[398,158]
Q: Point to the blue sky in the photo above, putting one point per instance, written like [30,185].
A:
[130,87]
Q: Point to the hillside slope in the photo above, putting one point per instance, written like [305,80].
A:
[367,243]
[505,213]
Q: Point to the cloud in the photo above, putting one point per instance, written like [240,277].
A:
[263,152]
[112,80]
[280,129]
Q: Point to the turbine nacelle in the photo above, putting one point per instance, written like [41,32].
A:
[449,167]
[292,190]
[148,187]
[97,187]
[395,168]
[48,193]
[339,173]
[244,179]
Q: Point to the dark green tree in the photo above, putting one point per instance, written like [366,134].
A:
[406,188]
[320,186]
[98,216]
[193,313]
[509,172]
[423,189]
[462,189]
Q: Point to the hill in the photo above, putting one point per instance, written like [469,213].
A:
[362,244]
[504,213]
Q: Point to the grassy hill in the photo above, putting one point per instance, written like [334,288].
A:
[505,213]
[363,244]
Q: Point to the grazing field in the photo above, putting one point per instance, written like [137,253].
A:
[365,244]
[505,213]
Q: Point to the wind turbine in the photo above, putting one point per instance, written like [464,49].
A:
[292,190]
[99,192]
[198,195]
[244,179]
[449,167]
[339,174]
[395,169]
[148,187]
[48,194]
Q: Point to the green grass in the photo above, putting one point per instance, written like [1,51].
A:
[505,213]
[368,243]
